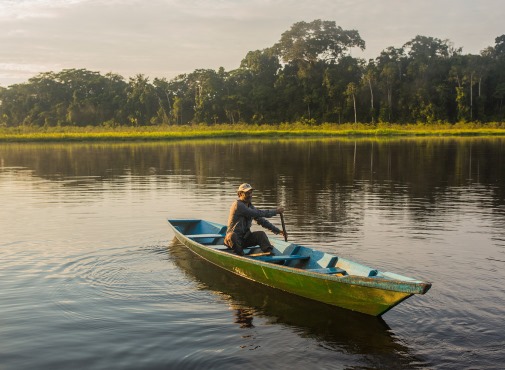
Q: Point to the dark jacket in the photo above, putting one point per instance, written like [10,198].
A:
[242,214]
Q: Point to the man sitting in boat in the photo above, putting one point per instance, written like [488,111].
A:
[242,212]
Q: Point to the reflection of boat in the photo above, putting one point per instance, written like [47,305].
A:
[302,271]
[336,328]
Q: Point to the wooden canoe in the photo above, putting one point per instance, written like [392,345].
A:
[302,270]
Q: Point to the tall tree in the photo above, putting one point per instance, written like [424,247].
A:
[260,70]
[141,101]
[424,48]
[390,67]
[309,47]
[336,79]
[351,92]
[369,79]
[317,40]
[499,47]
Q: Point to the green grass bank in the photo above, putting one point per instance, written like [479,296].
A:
[185,132]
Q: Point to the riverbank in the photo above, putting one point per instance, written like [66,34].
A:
[157,133]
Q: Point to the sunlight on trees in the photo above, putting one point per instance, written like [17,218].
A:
[308,76]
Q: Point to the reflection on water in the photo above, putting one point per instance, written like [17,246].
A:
[81,283]
[335,328]
[308,177]
[448,161]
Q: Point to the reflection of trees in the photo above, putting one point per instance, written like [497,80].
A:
[314,179]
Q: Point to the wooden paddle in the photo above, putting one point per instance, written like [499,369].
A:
[284,228]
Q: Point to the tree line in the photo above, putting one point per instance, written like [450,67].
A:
[309,75]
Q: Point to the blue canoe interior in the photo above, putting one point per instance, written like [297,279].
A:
[206,238]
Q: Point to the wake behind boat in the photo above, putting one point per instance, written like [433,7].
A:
[302,270]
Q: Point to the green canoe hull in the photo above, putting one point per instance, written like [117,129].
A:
[368,295]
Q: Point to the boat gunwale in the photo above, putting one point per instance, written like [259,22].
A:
[416,286]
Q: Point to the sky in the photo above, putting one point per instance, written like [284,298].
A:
[165,38]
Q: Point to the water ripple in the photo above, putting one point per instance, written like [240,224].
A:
[134,279]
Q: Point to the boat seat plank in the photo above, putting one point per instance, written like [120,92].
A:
[282,258]
[201,236]
[329,270]
[247,250]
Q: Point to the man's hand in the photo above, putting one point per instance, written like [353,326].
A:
[285,235]
[280,210]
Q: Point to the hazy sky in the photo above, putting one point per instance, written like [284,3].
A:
[163,38]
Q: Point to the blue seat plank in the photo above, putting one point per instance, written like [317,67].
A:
[329,270]
[282,258]
[201,236]
[223,247]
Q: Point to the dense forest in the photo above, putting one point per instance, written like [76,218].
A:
[308,76]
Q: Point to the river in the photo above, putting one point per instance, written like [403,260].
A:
[91,276]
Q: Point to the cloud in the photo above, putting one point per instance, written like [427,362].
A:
[26,9]
[162,38]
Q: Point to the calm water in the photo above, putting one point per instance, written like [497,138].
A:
[91,276]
